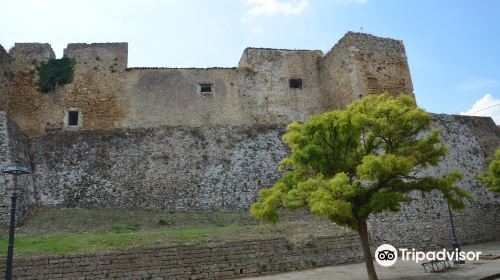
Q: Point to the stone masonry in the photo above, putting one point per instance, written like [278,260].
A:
[170,168]
[109,95]
[14,145]
[200,151]
[424,221]
[223,168]
[150,138]
[148,132]
[209,261]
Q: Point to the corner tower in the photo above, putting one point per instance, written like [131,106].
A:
[361,64]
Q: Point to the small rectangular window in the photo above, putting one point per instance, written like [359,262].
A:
[295,83]
[206,89]
[73,118]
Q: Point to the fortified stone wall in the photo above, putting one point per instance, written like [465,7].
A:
[5,76]
[29,108]
[94,91]
[14,146]
[150,138]
[269,87]
[486,132]
[166,96]
[174,168]
[257,92]
[5,159]
[109,95]
[425,220]
[223,167]
[210,261]
[380,63]
[361,64]
[99,56]
[97,90]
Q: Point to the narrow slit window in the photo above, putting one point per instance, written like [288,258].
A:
[295,83]
[73,118]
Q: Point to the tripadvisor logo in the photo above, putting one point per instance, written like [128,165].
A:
[386,255]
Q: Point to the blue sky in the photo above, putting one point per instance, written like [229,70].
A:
[453,47]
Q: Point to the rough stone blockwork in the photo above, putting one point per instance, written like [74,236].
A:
[222,168]
[148,138]
[14,146]
[5,77]
[109,95]
[173,168]
[361,64]
[211,261]
[425,220]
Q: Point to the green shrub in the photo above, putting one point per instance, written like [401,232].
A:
[54,73]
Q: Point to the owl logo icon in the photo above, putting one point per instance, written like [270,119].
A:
[386,255]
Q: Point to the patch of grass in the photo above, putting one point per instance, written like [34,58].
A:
[60,231]
[126,228]
[123,239]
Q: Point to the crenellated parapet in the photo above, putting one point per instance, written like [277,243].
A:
[99,56]
[26,57]
[269,86]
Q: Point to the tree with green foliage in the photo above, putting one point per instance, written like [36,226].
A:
[492,177]
[347,164]
[54,73]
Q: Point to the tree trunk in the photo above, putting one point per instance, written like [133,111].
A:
[365,244]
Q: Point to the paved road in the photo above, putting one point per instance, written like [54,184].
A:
[402,269]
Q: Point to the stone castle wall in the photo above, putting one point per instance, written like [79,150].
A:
[109,95]
[223,167]
[209,261]
[149,139]
[257,92]
[14,145]
[172,168]
[94,91]
[29,108]
[364,64]
[425,219]
[5,76]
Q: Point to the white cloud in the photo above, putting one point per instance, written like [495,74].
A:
[271,7]
[487,106]
[257,30]
[284,7]
[361,2]
[476,84]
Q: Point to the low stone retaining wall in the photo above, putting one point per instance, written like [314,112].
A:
[208,261]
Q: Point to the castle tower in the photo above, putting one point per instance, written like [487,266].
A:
[361,64]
